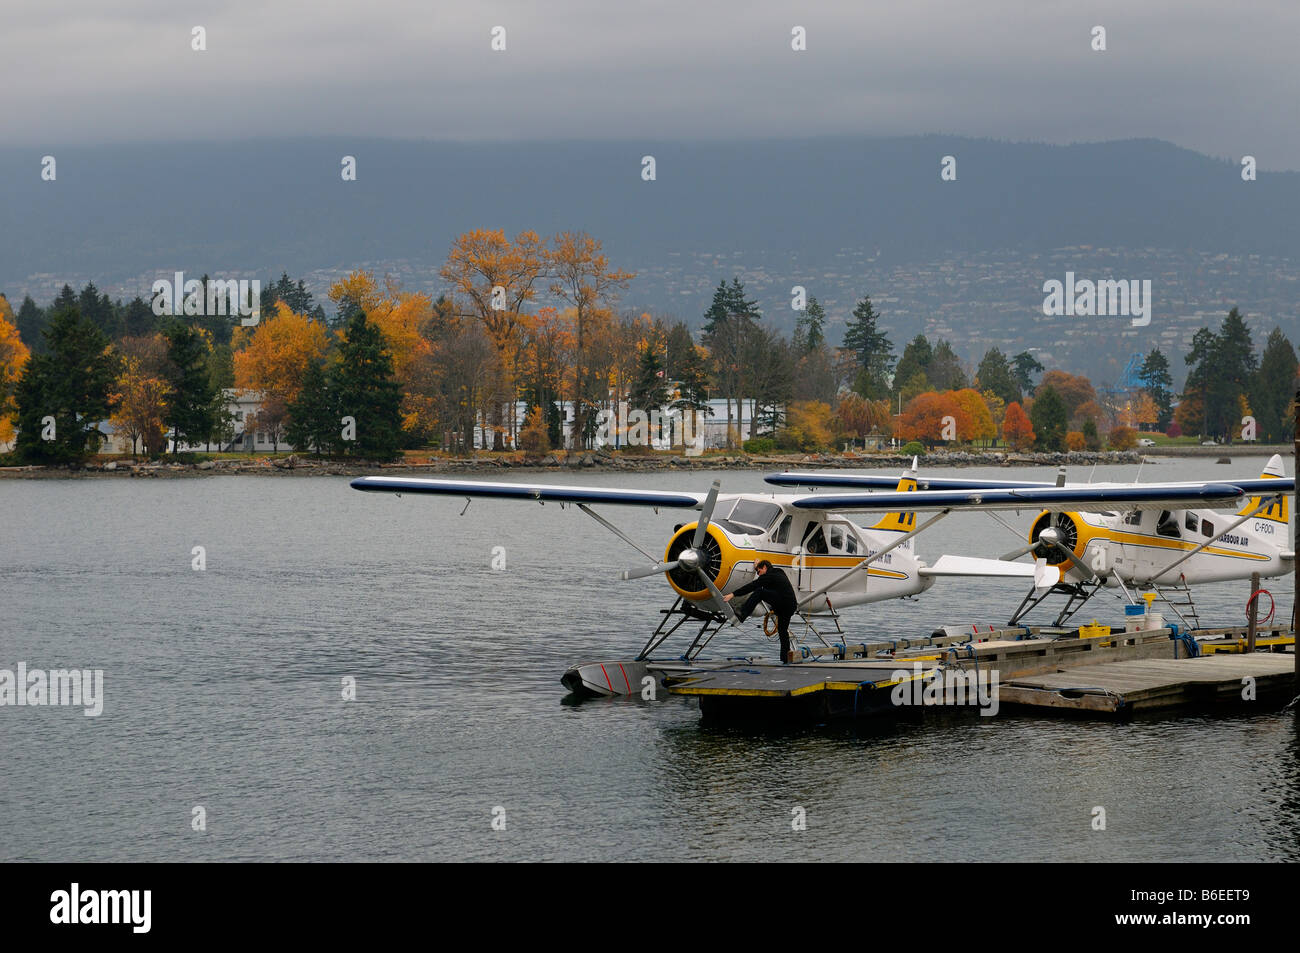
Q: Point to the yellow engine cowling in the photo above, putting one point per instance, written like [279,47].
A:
[720,557]
[1072,535]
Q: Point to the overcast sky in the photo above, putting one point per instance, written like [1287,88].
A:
[1216,76]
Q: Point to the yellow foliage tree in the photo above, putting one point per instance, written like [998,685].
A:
[13,358]
[140,405]
[274,355]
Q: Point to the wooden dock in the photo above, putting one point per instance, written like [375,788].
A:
[1122,688]
[1109,673]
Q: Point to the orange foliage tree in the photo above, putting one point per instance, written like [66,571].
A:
[1016,428]
[922,418]
[13,358]
[974,420]
[141,401]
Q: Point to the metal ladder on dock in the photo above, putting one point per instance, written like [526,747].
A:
[1183,601]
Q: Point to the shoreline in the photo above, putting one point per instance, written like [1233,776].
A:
[293,465]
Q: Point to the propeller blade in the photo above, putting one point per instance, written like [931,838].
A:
[644,571]
[1017,553]
[706,514]
[717,594]
[1075,561]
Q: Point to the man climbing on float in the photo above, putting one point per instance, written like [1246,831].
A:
[773,588]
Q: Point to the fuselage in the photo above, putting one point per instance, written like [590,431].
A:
[813,548]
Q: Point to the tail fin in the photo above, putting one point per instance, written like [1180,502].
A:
[901,522]
[1279,511]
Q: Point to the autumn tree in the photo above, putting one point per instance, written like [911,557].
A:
[492,280]
[1017,429]
[141,405]
[272,359]
[974,421]
[923,417]
[14,355]
[808,426]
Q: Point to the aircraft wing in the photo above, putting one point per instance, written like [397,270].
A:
[1253,487]
[864,480]
[543,492]
[1147,496]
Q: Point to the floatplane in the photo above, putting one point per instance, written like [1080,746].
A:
[1154,547]
[833,562]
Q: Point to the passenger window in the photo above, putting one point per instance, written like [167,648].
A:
[1207,528]
[851,544]
[1190,522]
[837,537]
[782,533]
[1167,525]
[816,543]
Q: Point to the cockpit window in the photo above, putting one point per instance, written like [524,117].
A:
[1167,525]
[782,533]
[754,514]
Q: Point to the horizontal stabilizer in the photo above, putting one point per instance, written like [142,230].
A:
[541,492]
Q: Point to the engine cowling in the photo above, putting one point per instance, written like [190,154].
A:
[716,556]
[1068,532]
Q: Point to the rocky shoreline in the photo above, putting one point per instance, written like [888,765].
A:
[293,465]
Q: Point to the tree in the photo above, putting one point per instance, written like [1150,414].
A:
[1223,368]
[1158,384]
[974,421]
[994,373]
[649,391]
[72,382]
[272,359]
[14,355]
[945,371]
[315,421]
[1091,439]
[1023,368]
[192,409]
[1274,389]
[874,352]
[492,280]
[1075,391]
[728,324]
[916,358]
[1017,429]
[808,426]
[140,400]
[922,418]
[1048,416]
[1075,441]
[533,437]
[809,329]
[31,324]
[368,392]
[1123,438]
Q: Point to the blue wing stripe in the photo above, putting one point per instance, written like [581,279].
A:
[1059,498]
[526,491]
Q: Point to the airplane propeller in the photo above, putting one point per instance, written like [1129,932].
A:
[693,559]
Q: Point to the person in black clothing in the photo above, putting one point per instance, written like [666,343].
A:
[772,587]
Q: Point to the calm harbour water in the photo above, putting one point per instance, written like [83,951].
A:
[223,690]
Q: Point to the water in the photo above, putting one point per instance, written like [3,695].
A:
[223,690]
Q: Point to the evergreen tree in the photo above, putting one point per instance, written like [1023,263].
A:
[728,323]
[30,322]
[192,413]
[917,355]
[1159,385]
[809,328]
[138,319]
[1091,439]
[1274,389]
[994,374]
[945,371]
[72,382]
[650,389]
[368,392]
[314,418]
[1023,368]
[1048,416]
[873,349]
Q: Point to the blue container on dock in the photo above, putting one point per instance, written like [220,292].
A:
[1137,609]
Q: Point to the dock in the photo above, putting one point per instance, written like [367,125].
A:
[1093,671]
[1121,688]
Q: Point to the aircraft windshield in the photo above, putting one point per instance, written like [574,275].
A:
[754,515]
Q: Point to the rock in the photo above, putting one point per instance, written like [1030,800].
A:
[207,465]
[1223,460]
[550,461]
[588,460]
